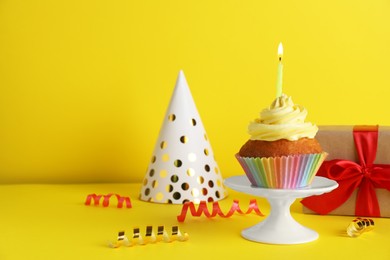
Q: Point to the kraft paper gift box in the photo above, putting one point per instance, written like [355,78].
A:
[359,160]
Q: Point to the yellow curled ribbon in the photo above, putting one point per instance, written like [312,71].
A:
[149,237]
[360,225]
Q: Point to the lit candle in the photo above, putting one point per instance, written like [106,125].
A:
[279,79]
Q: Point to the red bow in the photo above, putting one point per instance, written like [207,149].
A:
[364,175]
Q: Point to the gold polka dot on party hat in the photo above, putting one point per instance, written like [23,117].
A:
[163,173]
[183,139]
[169,188]
[200,179]
[165,157]
[185,186]
[159,196]
[177,163]
[195,192]
[163,144]
[171,117]
[176,195]
[190,172]
[174,178]
[192,157]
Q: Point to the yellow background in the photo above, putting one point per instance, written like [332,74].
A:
[84,85]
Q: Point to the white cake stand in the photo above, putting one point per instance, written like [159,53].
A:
[280,227]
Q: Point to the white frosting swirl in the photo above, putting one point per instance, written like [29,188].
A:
[282,120]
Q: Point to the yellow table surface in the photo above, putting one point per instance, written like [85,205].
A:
[52,222]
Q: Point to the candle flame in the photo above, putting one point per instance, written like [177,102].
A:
[280,51]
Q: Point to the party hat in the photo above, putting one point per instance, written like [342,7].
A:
[182,167]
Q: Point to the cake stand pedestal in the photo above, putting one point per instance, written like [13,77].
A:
[280,227]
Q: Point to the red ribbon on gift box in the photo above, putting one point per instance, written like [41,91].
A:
[364,176]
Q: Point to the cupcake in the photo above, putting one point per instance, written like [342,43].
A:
[282,152]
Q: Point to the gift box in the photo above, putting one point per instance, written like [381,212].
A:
[359,160]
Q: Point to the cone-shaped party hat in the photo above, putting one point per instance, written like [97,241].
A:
[182,167]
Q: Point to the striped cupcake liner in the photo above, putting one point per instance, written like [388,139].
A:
[285,172]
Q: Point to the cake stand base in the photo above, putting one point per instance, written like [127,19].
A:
[280,227]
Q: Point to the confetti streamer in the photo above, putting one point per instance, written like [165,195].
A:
[106,200]
[202,209]
[121,240]
[360,225]
[149,237]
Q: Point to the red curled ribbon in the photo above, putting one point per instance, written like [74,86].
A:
[216,210]
[364,176]
[106,200]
